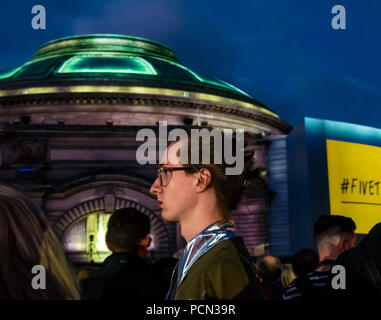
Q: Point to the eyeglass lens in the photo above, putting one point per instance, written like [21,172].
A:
[164,176]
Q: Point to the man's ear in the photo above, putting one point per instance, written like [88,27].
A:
[348,241]
[204,180]
[344,243]
[146,241]
[108,244]
[337,248]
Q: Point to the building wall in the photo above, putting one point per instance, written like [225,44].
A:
[278,215]
[75,171]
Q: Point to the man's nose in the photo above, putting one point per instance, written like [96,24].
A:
[156,188]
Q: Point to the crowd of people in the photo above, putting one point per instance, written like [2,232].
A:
[27,240]
[339,270]
[214,265]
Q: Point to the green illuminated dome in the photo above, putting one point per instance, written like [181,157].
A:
[116,58]
[123,70]
[103,44]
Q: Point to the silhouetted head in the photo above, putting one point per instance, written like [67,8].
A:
[304,261]
[269,267]
[128,231]
[334,234]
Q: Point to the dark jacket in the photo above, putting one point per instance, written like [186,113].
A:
[123,276]
[224,272]
[358,261]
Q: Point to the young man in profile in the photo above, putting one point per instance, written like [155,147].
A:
[334,234]
[215,263]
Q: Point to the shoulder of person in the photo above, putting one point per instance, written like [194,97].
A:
[348,256]
[292,291]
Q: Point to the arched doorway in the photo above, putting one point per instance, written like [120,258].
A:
[79,217]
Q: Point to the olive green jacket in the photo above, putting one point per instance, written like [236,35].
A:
[224,272]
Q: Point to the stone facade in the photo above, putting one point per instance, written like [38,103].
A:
[69,141]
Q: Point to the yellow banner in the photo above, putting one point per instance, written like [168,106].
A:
[354,176]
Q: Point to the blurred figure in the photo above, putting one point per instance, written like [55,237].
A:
[269,269]
[287,275]
[26,240]
[363,267]
[304,261]
[333,234]
[125,274]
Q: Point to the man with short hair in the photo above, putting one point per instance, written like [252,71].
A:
[334,234]
[362,267]
[304,261]
[270,270]
[125,274]
[215,263]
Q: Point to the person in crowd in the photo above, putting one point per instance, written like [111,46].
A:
[126,273]
[304,261]
[270,269]
[32,261]
[362,265]
[215,263]
[334,234]
[287,275]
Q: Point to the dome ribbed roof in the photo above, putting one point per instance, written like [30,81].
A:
[105,43]
[113,60]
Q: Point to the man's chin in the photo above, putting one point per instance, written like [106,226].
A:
[167,217]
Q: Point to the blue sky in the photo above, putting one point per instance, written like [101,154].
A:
[283,53]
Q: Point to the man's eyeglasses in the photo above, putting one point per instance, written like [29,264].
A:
[165,174]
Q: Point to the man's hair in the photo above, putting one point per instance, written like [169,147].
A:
[269,267]
[327,224]
[304,261]
[228,188]
[126,227]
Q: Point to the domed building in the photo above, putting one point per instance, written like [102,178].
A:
[68,124]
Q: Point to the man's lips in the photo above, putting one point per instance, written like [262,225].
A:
[160,203]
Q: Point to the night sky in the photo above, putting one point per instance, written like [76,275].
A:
[283,53]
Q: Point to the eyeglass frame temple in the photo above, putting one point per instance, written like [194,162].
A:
[170,169]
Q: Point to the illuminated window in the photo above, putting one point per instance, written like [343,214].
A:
[85,241]
[107,64]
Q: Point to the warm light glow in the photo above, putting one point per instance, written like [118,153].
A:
[86,238]
[96,229]
[101,234]
[139,90]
